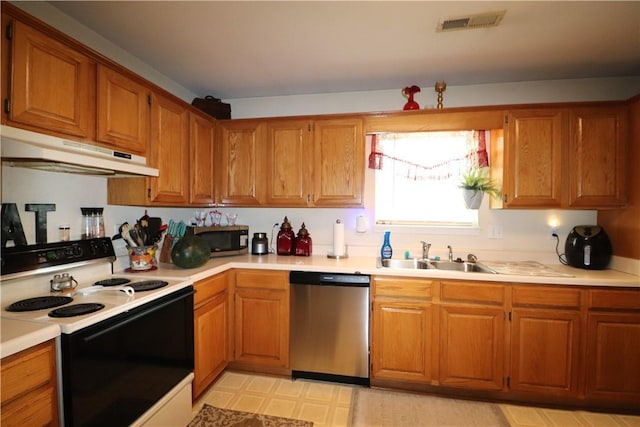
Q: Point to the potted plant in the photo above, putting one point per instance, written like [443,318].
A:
[475,183]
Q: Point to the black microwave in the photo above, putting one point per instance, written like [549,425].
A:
[224,240]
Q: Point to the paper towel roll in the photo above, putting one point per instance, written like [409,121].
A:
[338,238]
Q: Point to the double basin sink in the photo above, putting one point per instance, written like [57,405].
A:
[421,264]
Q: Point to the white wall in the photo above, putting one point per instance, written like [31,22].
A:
[525,232]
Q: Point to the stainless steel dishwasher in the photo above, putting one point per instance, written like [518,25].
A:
[330,326]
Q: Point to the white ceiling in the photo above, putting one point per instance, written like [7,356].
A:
[237,49]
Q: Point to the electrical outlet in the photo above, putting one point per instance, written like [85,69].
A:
[496,232]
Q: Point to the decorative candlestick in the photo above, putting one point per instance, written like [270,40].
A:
[440,88]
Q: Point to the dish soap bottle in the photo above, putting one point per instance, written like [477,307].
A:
[386,251]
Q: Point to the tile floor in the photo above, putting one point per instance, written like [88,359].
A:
[328,404]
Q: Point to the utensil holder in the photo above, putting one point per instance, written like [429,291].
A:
[142,258]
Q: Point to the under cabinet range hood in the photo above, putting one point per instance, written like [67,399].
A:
[23,148]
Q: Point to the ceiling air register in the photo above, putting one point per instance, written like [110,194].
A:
[480,20]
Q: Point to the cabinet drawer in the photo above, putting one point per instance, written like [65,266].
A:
[262,279]
[546,296]
[209,287]
[402,287]
[614,299]
[477,292]
[27,371]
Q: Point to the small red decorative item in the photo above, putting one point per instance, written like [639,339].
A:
[409,91]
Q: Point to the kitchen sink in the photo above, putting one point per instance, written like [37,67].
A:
[467,267]
[413,263]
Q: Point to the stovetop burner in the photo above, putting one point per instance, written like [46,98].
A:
[148,285]
[76,310]
[117,281]
[39,303]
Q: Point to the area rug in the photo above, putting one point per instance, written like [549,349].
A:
[210,416]
[382,408]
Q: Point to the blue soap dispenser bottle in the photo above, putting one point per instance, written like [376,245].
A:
[386,251]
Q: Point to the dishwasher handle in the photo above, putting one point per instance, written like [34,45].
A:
[329,279]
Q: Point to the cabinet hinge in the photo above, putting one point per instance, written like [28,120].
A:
[9,32]
[506,119]
[149,99]
[7,106]
[509,316]
[505,198]
[508,381]
[148,193]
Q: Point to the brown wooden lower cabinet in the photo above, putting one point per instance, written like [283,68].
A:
[262,318]
[29,396]
[211,321]
[549,344]
[545,339]
[401,323]
[613,346]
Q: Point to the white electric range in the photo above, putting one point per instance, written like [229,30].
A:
[140,333]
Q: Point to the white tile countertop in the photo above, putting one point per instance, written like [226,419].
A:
[368,265]
[18,335]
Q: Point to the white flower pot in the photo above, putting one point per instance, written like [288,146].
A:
[472,198]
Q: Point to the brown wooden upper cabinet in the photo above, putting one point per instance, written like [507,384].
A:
[203,156]
[597,147]
[122,111]
[51,87]
[571,158]
[241,162]
[169,152]
[533,141]
[314,162]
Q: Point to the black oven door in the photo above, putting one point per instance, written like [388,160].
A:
[115,370]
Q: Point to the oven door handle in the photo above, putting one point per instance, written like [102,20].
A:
[137,316]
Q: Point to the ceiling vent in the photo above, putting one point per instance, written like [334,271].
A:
[480,20]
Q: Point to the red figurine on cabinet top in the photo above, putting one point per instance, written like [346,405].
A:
[409,91]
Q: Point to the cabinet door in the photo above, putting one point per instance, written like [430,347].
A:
[545,351]
[241,163]
[289,163]
[597,147]
[533,154]
[338,162]
[202,151]
[613,352]
[28,387]
[211,339]
[262,327]
[52,85]
[122,112]
[169,151]
[472,347]
[401,343]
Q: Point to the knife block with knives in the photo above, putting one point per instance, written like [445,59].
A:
[175,231]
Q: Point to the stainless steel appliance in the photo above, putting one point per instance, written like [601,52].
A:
[259,244]
[588,247]
[125,353]
[224,240]
[330,326]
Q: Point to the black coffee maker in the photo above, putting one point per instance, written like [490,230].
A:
[588,247]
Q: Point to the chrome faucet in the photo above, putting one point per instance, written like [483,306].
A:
[425,249]
[450,253]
